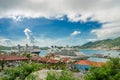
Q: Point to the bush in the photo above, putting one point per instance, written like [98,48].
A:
[51,76]
[65,75]
[20,72]
[110,71]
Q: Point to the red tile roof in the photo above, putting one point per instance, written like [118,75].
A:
[67,59]
[12,58]
[90,63]
[53,61]
[44,59]
[35,58]
[15,58]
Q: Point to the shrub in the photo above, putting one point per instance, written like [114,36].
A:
[20,72]
[110,71]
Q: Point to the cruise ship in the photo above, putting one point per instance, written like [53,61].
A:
[74,53]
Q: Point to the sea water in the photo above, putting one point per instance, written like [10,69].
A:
[42,52]
[114,53]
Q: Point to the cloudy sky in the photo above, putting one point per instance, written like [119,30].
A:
[58,22]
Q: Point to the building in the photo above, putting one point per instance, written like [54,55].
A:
[12,58]
[85,65]
[66,60]
[27,48]
[44,59]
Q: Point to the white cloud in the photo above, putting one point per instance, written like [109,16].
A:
[107,31]
[43,41]
[75,33]
[5,41]
[75,10]
[60,41]
[29,35]
[92,39]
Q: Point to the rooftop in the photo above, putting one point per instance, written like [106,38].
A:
[90,63]
[12,57]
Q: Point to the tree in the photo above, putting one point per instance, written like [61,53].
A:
[2,62]
[51,76]
[64,75]
[20,73]
[110,71]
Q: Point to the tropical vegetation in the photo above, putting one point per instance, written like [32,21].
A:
[110,71]
[20,73]
[107,43]
[4,47]
[64,75]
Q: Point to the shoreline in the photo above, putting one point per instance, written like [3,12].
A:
[99,49]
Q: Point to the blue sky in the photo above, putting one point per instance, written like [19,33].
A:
[52,29]
[60,22]
[47,28]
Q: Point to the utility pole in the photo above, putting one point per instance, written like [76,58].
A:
[19,49]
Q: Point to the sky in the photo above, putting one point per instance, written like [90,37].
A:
[58,22]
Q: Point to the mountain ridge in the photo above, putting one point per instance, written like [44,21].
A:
[103,44]
[4,47]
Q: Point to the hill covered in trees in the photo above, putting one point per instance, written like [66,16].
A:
[4,47]
[107,43]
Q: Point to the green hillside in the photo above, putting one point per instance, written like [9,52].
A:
[108,43]
[4,47]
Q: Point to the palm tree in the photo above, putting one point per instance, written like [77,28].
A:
[2,61]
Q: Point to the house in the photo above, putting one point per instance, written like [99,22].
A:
[53,61]
[66,60]
[44,59]
[85,65]
[12,58]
